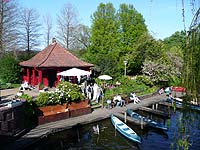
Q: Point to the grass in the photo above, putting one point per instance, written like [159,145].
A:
[9,86]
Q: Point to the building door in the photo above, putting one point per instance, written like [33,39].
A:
[52,77]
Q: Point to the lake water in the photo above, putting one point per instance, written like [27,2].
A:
[84,137]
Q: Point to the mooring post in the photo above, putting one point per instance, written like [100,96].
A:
[156,106]
[141,122]
[115,129]
[153,106]
[125,116]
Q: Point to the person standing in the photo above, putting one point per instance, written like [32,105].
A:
[89,92]
[95,92]
[99,94]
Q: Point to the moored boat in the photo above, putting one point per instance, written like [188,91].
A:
[149,122]
[180,102]
[125,130]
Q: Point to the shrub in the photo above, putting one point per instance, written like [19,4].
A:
[26,97]
[9,70]
[65,93]
[29,110]
[142,79]
[68,92]
[43,99]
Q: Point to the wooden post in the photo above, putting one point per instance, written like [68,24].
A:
[28,75]
[141,122]
[153,106]
[115,129]
[102,100]
[40,76]
[103,96]
[33,77]
[125,116]
[156,106]
[97,129]
[78,134]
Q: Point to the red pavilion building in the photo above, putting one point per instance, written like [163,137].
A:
[44,66]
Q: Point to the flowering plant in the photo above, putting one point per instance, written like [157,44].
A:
[65,92]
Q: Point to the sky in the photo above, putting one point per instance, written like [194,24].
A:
[162,17]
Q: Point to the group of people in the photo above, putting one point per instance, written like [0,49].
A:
[92,91]
[118,101]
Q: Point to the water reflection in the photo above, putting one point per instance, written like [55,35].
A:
[187,124]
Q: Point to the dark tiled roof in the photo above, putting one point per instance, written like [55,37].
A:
[55,56]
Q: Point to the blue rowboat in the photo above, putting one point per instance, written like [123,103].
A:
[149,122]
[124,129]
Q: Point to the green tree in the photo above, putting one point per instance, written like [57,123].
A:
[10,70]
[191,71]
[131,26]
[104,35]
[114,35]
[177,39]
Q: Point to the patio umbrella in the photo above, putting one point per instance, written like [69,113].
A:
[74,72]
[105,77]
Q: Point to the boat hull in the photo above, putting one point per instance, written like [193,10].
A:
[149,122]
[124,129]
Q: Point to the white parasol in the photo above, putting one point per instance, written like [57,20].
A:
[74,72]
[105,77]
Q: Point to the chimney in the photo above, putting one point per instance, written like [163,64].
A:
[53,40]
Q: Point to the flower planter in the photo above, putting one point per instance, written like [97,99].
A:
[58,112]
[78,109]
[52,109]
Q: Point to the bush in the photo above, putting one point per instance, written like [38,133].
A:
[26,97]
[142,79]
[130,85]
[43,99]
[9,70]
[65,93]
[29,110]
[68,92]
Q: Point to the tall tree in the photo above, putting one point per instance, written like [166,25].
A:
[82,37]
[8,21]
[29,29]
[67,24]
[131,27]
[104,36]
[191,72]
[177,39]
[47,29]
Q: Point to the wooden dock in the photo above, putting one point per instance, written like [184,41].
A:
[154,111]
[170,105]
